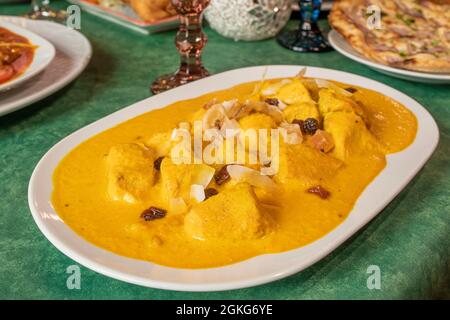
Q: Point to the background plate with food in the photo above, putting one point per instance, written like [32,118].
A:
[343,47]
[400,168]
[23,54]
[73,52]
[145,16]
[409,35]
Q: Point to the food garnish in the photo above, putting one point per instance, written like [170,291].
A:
[272,101]
[351,89]
[322,141]
[320,191]
[251,176]
[222,176]
[310,126]
[197,193]
[157,163]
[209,192]
[153,213]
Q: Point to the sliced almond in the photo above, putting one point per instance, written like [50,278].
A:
[251,176]
[301,73]
[274,112]
[292,133]
[274,88]
[230,128]
[321,83]
[214,117]
[210,104]
[197,193]
[228,104]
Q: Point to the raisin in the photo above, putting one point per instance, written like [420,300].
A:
[272,101]
[320,191]
[157,163]
[351,90]
[209,192]
[310,126]
[153,213]
[222,176]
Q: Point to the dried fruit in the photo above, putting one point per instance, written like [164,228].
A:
[209,192]
[272,101]
[322,141]
[320,191]
[157,163]
[310,126]
[222,176]
[153,213]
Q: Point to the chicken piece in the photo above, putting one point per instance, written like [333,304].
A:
[130,172]
[302,166]
[161,143]
[289,91]
[350,136]
[257,121]
[176,179]
[329,101]
[301,111]
[294,92]
[233,214]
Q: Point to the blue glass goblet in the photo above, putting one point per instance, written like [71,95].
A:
[308,37]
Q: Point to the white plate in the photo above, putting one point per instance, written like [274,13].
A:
[342,46]
[401,168]
[43,55]
[73,52]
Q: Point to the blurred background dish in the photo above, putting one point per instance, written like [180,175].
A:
[145,16]
[73,52]
[404,34]
[23,55]
[342,46]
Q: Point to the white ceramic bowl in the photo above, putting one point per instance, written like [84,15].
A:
[401,168]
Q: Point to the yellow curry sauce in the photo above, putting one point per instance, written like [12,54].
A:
[297,217]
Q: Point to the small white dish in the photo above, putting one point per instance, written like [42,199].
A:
[401,168]
[43,55]
[73,52]
[342,46]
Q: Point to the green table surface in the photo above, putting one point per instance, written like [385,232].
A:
[409,240]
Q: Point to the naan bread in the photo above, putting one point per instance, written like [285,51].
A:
[415,34]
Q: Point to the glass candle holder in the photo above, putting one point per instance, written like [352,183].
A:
[190,41]
[308,37]
[41,10]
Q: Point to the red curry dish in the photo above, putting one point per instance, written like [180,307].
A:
[16,54]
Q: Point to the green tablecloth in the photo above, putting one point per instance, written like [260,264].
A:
[409,240]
